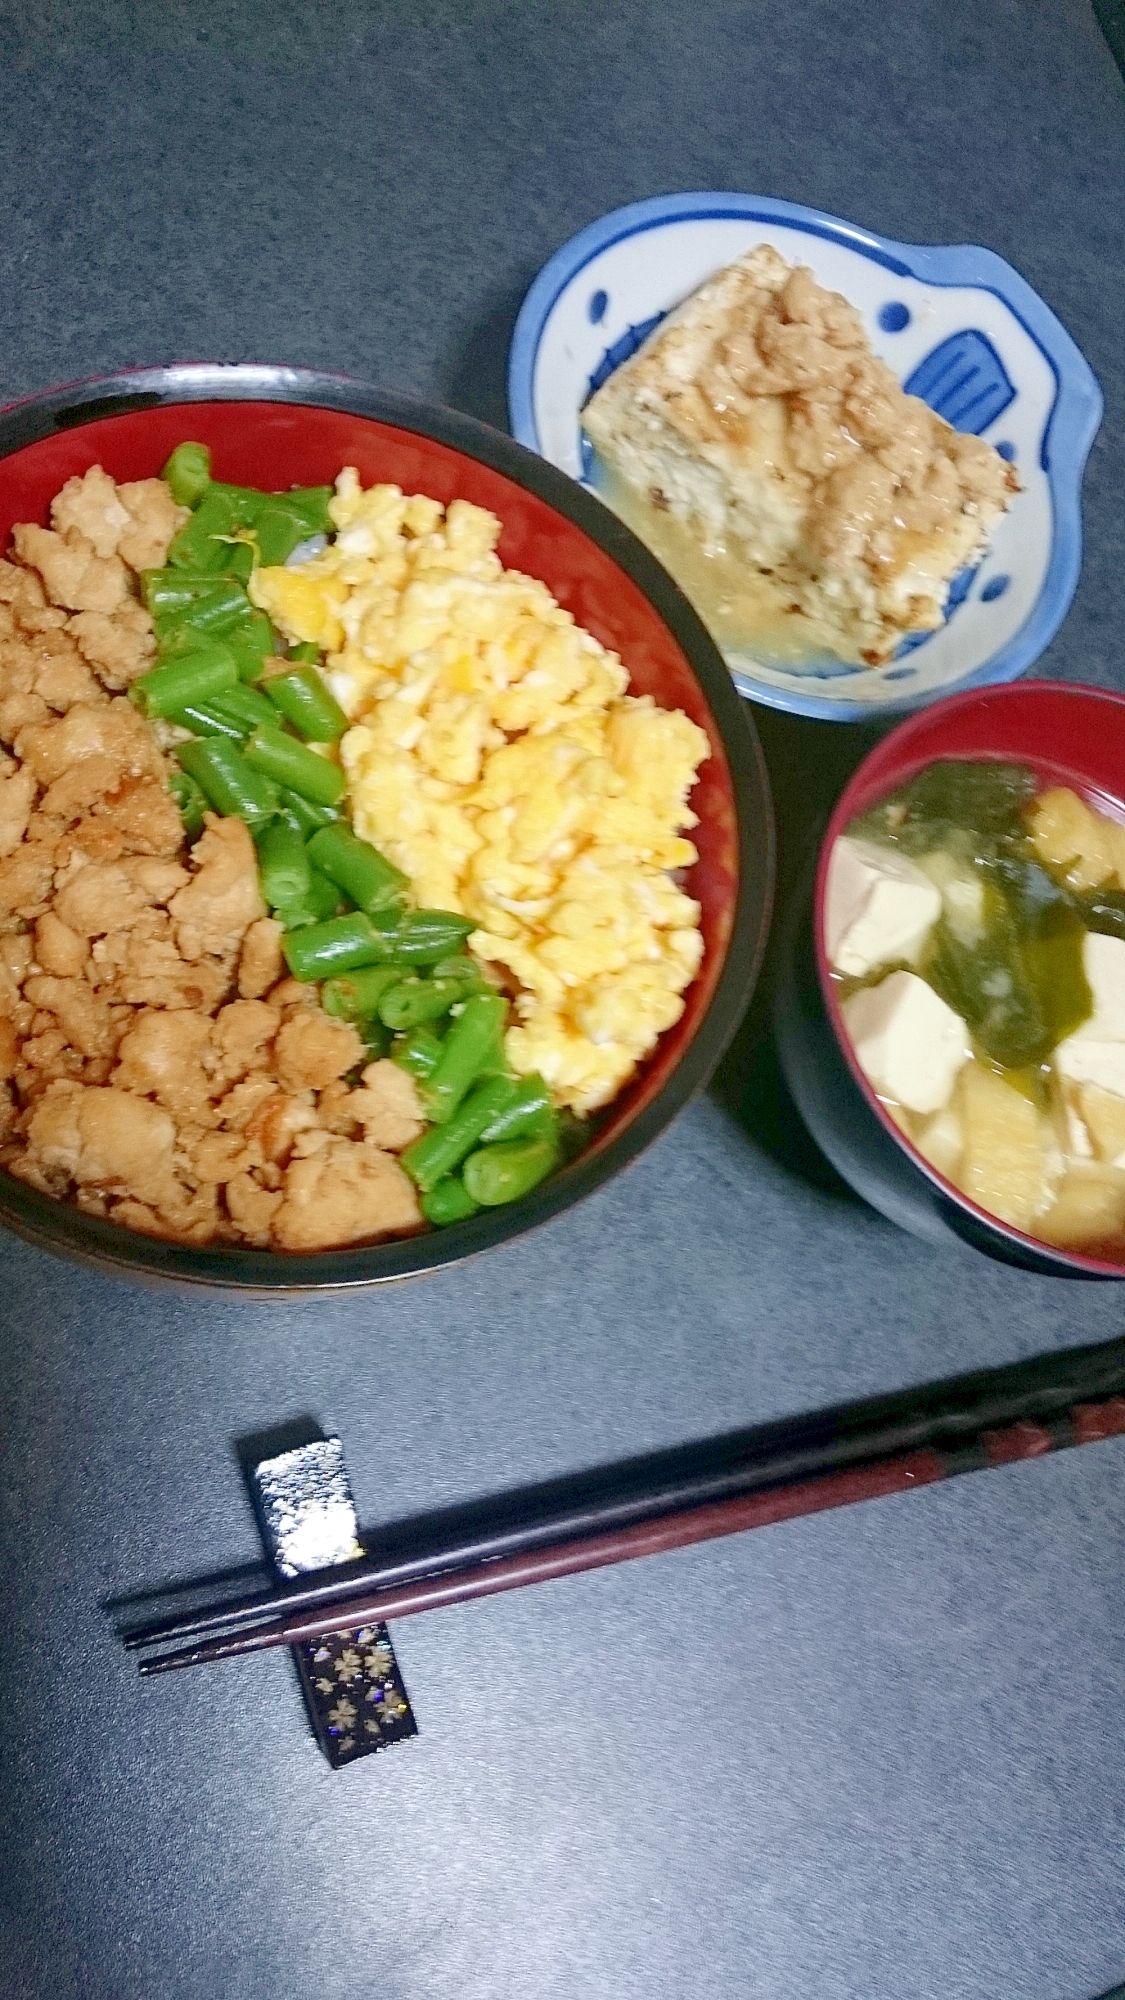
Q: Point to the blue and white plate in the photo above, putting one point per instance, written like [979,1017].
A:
[959,327]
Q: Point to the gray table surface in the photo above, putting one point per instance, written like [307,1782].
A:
[871,1754]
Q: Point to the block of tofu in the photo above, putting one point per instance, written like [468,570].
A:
[1100,1063]
[1100,1116]
[1077,1142]
[878,907]
[758,417]
[1103,961]
[941,1140]
[909,1044]
[1095,1052]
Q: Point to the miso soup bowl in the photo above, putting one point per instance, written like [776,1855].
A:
[1068,735]
[276,427]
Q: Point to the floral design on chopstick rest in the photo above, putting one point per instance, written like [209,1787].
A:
[355,1693]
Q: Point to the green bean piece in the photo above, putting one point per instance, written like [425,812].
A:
[176,635]
[187,677]
[307,505]
[299,769]
[355,996]
[306,652]
[169,592]
[571,1133]
[376,1039]
[238,561]
[499,1174]
[203,718]
[188,473]
[242,704]
[311,504]
[283,866]
[280,521]
[448,1201]
[443,1147]
[412,1001]
[323,901]
[244,502]
[530,1115]
[418,1052]
[279,532]
[459,965]
[370,880]
[209,605]
[219,716]
[296,515]
[234,713]
[304,814]
[327,895]
[190,800]
[230,614]
[200,545]
[323,950]
[227,781]
[494,1061]
[253,641]
[425,937]
[470,1042]
[308,704]
[172,637]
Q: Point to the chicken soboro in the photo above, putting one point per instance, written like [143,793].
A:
[159,1069]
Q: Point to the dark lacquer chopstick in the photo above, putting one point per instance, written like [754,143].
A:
[1083,1423]
[949,1417]
[568,1558]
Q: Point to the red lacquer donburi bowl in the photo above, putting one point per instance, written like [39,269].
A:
[277,427]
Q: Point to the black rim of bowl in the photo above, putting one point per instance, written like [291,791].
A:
[59,1226]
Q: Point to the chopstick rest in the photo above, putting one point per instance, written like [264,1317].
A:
[353,1689]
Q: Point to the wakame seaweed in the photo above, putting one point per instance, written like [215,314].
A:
[953,803]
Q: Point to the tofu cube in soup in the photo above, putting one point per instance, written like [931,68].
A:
[908,1043]
[1102,1113]
[878,907]
[1095,1053]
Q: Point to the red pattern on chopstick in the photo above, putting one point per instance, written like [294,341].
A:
[1017,1441]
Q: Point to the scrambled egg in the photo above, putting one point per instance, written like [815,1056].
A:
[496,758]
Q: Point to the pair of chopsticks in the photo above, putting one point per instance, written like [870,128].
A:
[673,1499]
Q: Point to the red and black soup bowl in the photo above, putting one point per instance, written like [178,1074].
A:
[1067,735]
